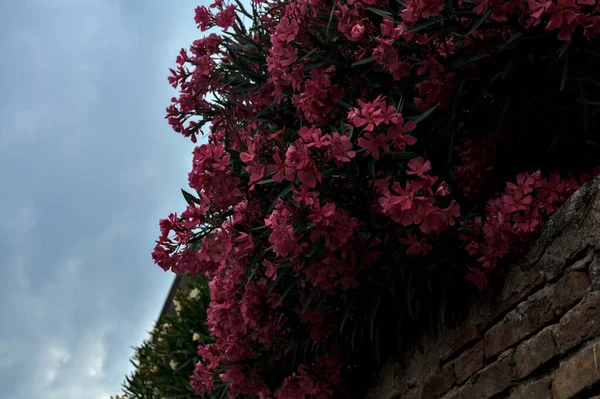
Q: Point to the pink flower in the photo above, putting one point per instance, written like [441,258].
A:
[341,148]
[418,166]
[478,277]
[226,18]
[514,204]
[528,222]
[416,246]
[287,30]
[372,144]
[278,168]
[368,116]
[357,32]
[563,17]
[203,18]
[432,219]
[524,185]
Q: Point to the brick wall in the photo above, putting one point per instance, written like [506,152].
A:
[536,337]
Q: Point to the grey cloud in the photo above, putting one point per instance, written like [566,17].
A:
[87,167]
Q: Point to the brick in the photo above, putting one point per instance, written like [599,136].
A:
[540,309]
[595,273]
[470,362]
[584,258]
[439,383]
[535,351]
[390,382]
[493,379]
[502,308]
[580,323]
[470,335]
[581,371]
[570,289]
[414,394]
[538,389]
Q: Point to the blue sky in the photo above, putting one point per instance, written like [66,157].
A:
[88,165]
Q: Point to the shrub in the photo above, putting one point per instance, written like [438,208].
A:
[165,363]
[362,157]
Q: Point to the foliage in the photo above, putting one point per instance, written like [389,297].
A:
[165,362]
[362,158]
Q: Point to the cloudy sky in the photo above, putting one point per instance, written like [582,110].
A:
[87,167]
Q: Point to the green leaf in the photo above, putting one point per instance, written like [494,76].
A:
[330,17]
[583,101]
[565,47]
[287,291]
[459,63]
[311,52]
[283,192]
[565,73]
[316,247]
[514,37]
[189,198]
[381,13]
[480,21]
[242,9]
[424,115]
[400,155]
[364,61]
[345,104]
[372,168]
[309,300]
[423,25]
[266,181]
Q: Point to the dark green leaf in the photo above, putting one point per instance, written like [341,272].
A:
[565,73]
[459,63]
[283,192]
[424,115]
[266,181]
[287,291]
[311,52]
[364,61]
[381,13]
[583,101]
[480,21]
[309,300]
[189,198]
[330,17]
[514,37]
[345,104]
[372,168]
[423,25]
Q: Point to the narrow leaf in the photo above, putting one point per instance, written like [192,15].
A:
[424,115]
[189,198]
[466,61]
[381,13]
[480,21]
[364,61]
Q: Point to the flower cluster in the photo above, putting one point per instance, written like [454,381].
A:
[352,146]
[513,219]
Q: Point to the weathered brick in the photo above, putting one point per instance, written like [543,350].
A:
[571,288]
[595,272]
[439,383]
[414,394]
[580,323]
[493,379]
[469,362]
[538,389]
[535,351]
[500,309]
[541,308]
[468,336]
[577,373]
